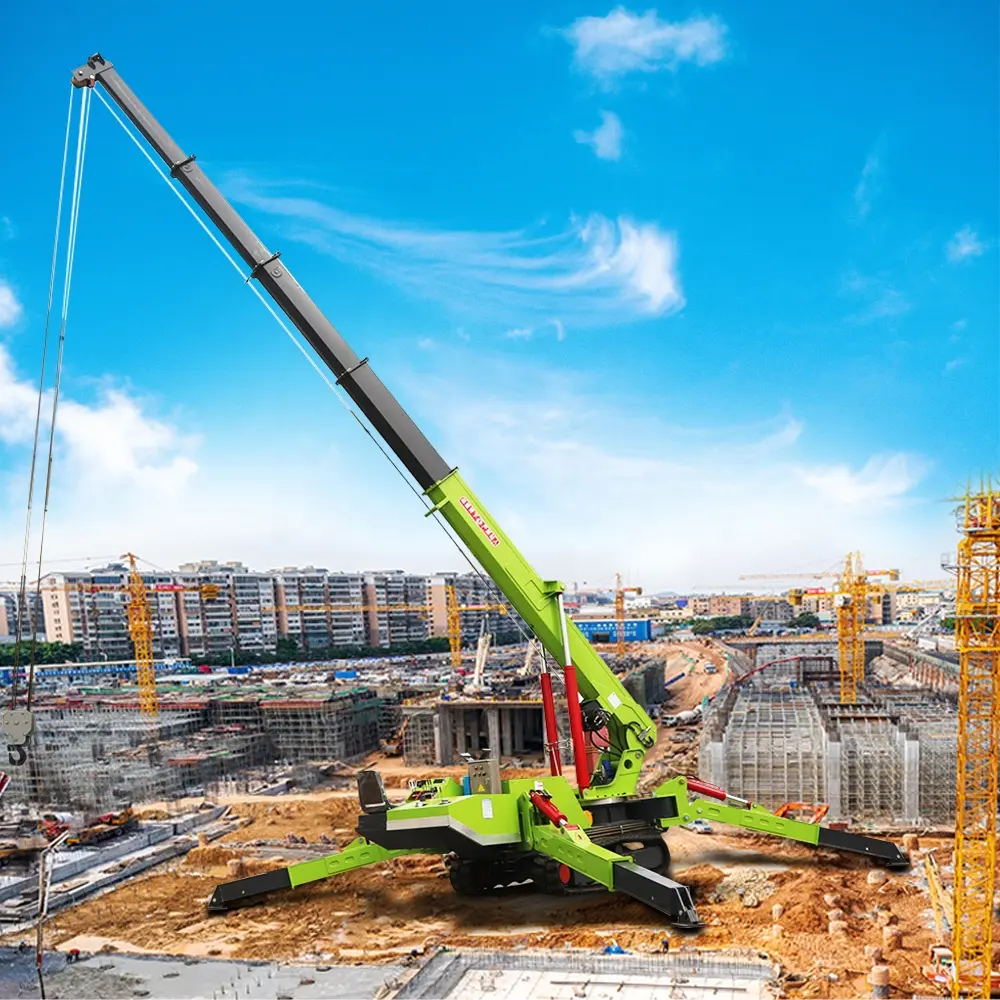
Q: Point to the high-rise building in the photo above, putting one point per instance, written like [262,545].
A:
[243,616]
[394,588]
[318,629]
[472,589]
[9,616]
[91,608]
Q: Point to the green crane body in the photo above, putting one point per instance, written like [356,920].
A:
[496,832]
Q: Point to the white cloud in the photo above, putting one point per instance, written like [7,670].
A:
[868,185]
[623,42]
[10,308]
[425,343]
[594,268]
[965,244]
[534,445]
[519,333]
[125,479]
[881,481]
[111,444]
[954,364]
[665,503]
[606,139]
[877,298]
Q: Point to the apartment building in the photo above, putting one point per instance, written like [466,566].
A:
[472,590]
[91,608]
[728,606]
[334,601]
[243,616]
[817,604]
[9,616]
[772,610]
[699,607]
[388,593]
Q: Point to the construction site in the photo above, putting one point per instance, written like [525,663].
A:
[622,799]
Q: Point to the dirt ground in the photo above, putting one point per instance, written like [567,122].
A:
[380,913]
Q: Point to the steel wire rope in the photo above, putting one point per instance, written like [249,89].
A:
[74,221]
[312,362]
[22,595]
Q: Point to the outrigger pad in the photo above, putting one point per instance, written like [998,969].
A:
[229,895]
[883,852]
[655,890]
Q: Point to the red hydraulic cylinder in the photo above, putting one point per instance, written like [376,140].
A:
[551,732]
[573,707]
[576,727]
[548,809]
[705,788]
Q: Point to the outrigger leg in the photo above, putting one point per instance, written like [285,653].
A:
[357,854]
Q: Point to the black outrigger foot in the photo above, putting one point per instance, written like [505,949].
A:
[658,891]
[882,852]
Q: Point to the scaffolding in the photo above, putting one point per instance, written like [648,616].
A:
[95,759]
[340,727]
[872,770]
[774,748]
[419,743]
[888,758]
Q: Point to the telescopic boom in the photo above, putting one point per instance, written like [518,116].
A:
[630,730]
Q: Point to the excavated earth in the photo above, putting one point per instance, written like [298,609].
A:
[381,913]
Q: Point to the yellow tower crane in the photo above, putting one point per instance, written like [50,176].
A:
[455,612]
[140,623]
[140,627]
[850,601]
[977,639]
[620,593]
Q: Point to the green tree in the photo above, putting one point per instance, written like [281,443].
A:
[287,649]
[805,620]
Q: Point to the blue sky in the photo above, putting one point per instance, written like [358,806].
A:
[687,292]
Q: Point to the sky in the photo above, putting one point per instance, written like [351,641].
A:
[685,292]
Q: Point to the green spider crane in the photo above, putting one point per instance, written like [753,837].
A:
[600,833]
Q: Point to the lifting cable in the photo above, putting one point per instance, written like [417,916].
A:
[74,216]
[490,587]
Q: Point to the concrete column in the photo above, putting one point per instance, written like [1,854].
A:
[911,777]
[461,731]
[437,738]
[716,763]
[518,725]
[493,730]
[472,720]
[833,774]
[506,743]
[446,753]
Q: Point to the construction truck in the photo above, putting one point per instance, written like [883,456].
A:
[108,826]
[20,843]
[810,812]
[393,746]
[577,832]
